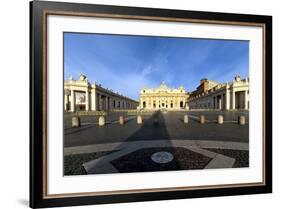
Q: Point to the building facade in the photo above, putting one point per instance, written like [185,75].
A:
[205,85]
[163,97]
[80,95]
[227,96]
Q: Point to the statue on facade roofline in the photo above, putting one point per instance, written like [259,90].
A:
[163,85]
[82,77]
[181,87]
[237,78]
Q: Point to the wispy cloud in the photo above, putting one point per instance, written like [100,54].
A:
[128,63]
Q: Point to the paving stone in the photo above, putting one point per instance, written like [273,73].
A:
[140,160]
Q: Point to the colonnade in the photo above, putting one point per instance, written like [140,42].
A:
[224,100]
[97,101]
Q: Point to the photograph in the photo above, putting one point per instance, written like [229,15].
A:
[131,104]
[139,103]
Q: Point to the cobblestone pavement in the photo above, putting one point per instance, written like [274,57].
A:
[140,160]
[73,164]
[136,156]
[170,126]
[218,146]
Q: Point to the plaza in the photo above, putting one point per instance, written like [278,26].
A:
[154,103]
[167,129]
[94,149]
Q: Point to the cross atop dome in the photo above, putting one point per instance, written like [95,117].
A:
[163,85]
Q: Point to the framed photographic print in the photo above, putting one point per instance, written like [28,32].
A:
[139,104]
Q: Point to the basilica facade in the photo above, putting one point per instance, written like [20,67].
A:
[163,97]
[81,95]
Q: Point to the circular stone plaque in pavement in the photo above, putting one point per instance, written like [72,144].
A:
[162,157]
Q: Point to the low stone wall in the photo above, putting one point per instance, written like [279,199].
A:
[142,112]
[98,113]
[124,110]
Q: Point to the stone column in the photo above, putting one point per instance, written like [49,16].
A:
[66,101]
[87,100]
[246,101]
[93,100]
[216,102]
[72,108]
[114,103]
[220,102]
[105,105]
[109,103]
[233,99]
[227,99]
[100,102]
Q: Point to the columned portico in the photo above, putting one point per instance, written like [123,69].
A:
[226,96]
[80,95]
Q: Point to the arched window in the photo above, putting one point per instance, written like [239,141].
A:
[181,104]
[144,104]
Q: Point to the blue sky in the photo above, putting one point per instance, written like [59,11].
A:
[128,63]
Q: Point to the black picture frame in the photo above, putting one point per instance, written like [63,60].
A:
[38,88]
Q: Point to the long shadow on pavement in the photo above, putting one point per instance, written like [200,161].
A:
[136,157]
